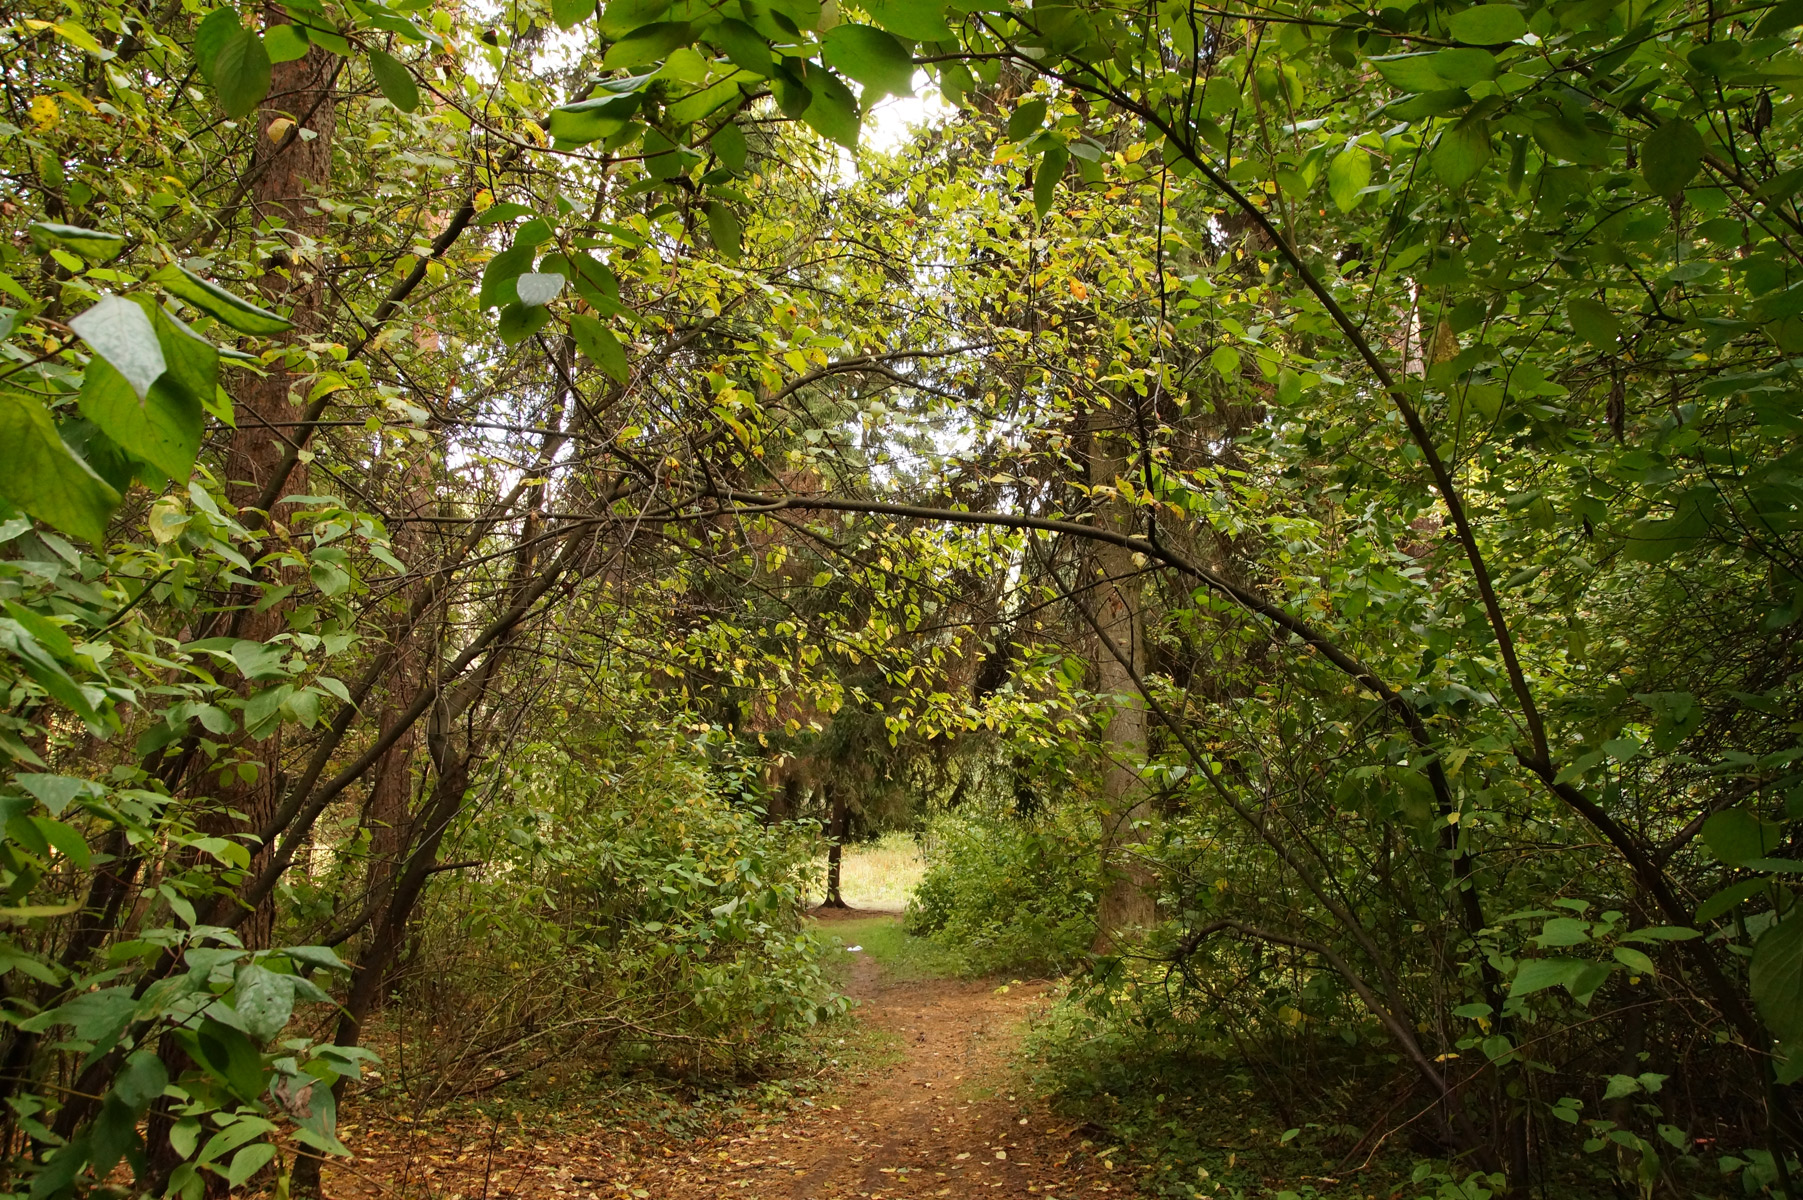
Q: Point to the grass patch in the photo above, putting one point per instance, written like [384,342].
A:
[900,954]
[880,874]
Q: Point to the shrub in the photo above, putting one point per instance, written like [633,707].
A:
[1007,895]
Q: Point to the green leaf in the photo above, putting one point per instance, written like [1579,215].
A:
[210,36]
[1026,120]
[220,304]
[593,119]
[1410,72]
[1735,836]
[597,342]
[1592,321]
[140,1081]
[1045,179]
[54,792]
[1635,960]
[1347,176]
[91,244]
[497,278]
[744,47]
[395,80]
[1671,157]
[67,842]
[1488,24]
[568,13]
[1219,96]
[1462,152]
[42,476]
[1564,931]
[833,110]
[1776,978]
[1464,66]
[122,334]
[647,44]
[263,1000]
[1538,974]
[285,43]
[241,73]
[723,227]
[919,20]
[519,322]
[728,144]
[248,1162]
[163,429]
[873,58]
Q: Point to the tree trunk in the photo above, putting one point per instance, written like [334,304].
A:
[1128,900]
[281,199]
[835,800]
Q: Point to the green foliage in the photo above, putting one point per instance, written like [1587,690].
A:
[1005,896]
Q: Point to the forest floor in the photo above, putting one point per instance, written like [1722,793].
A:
[938,1108]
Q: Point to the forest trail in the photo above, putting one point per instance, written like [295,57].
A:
[940,1117]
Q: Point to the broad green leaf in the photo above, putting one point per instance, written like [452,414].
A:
[141,1080]
[1464,66]
[121,333]
[1488,24]
[42,476]
[395,80]
[1671,157]
[263,1000]
[248,1162]
[1410,72]
[536,289]
[919,20]
[1347,176]
[1045,179]
[163,429]
[833,111]
[1026,120]
[621,17]
[1462,152]
[519,322]
[285,43]
[502,270]
[220,304]
[568,13]
[745,48]
[1592,321]
[723,227]
[593,119]
[1776,978]
[241,73]
[1220,95]
[597,342]
[873,58]
[1538,974]
[210,36]
[648,44]
[1735,835]
[91,244]
[728,143]
[1635,960]
[1564,931]
[54,792]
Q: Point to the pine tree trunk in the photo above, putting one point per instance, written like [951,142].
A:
[835,799]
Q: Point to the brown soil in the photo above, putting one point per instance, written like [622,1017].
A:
[945,1119]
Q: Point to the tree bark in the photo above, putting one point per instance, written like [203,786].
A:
[835,832]
[1128,901]
[282,200]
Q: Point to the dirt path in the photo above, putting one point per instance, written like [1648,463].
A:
[944,1120]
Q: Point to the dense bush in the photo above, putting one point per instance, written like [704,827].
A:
[630,913]
[1008,895]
